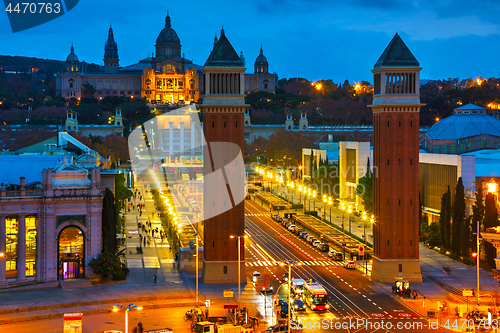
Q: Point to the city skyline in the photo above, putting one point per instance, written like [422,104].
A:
[295,42]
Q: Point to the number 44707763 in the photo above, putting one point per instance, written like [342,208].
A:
[34,7]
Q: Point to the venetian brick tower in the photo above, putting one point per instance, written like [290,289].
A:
[396,107]
[223,122]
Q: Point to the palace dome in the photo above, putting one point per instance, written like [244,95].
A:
[168,35]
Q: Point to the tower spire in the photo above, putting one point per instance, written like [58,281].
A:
[168,24]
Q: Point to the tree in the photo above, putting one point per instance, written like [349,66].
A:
[444,219]
[365,190]
[490,220]
[106,263]
[465,234]
[458,217]
[88,90]
[109,242]
[477,214]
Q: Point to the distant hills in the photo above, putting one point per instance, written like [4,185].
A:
[46,67]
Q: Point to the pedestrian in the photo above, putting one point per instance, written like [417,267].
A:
[154,278]
[144,241]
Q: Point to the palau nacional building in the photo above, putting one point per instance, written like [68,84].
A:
[166,77]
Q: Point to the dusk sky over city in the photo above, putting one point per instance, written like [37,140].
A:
[313,39]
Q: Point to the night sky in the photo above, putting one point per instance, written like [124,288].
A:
[315,39]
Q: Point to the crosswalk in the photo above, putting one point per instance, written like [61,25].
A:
[256,263]
[256,214]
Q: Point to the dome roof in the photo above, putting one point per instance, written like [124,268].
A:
[72,56]
[168,35]
[468,121]
[261,58]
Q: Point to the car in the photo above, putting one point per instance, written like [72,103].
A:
[298,231]
[298,305]
[349,265]
[312,240]
[324,248]
[255,275]
[291,227]
[315,243]
[319,245]
[331,253]
[338,256]
[276,328]
[303,234]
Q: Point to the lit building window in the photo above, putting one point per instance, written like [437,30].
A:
[31,248]
[11,229]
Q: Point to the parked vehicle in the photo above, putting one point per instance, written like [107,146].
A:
[324,248]
[277,328]
[331,253]
[291,227]
[338,256]
[255,275]
[303,234]
[315,243]
[298,231]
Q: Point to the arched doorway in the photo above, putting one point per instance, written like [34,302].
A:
[71,253]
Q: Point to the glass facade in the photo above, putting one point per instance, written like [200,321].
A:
[31,245]
[11,229]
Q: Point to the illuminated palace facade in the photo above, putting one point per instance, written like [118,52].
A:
[167,78]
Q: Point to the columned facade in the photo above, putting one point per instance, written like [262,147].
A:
[396,106]
[32,222]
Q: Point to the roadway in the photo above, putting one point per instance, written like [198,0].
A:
[352,296]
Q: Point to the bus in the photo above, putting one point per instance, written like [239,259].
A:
[315,296]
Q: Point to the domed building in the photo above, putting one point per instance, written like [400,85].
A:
[468,129]
[166,77]
[261,79]
[72,62]
[168,44]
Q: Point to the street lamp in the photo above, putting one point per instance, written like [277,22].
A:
[239,266]
[196,235]
[330,204]
[325,200]
[477,261]
[289,263]
[365,255]
[343,229]
[349,210]
[127,308]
